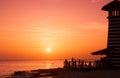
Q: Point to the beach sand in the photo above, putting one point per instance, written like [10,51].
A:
[61,73]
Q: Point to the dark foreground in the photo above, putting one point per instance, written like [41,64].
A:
[62,73]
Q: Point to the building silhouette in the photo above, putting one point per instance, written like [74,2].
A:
[112,51]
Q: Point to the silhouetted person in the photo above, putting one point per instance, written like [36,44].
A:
[85,64]
[72,60]
[72,63]
[79,61]
[66,63]
[82,64]
[90,64]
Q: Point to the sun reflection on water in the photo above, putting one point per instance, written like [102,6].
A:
[48,64]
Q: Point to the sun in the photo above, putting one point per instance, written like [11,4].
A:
[48,50]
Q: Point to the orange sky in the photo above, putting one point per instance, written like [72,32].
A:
[70,28]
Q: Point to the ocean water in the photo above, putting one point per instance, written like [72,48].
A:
[8,67]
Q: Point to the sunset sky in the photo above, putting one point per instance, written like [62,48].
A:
[52,29]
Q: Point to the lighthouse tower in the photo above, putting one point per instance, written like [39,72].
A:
[113,9]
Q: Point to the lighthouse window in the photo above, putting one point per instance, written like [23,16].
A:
[115,13]
[118,13]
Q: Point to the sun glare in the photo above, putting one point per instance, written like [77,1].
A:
[48,50]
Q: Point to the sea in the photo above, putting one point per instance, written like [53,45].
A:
[9,67]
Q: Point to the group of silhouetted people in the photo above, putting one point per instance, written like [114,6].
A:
[74,64]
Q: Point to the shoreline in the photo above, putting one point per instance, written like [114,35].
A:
[37,73]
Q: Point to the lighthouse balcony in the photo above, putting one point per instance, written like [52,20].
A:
[113,17]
